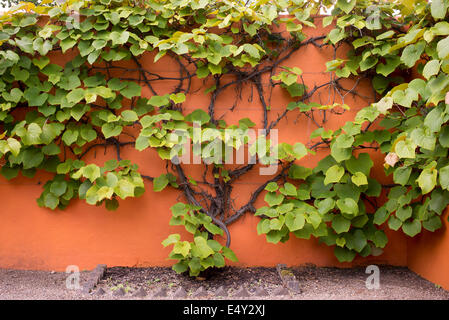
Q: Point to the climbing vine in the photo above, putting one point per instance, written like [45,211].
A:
[54,117]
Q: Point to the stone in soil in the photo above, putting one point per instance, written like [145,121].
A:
[294,286]
[200,292]
[281,291]
[221,292]
[160,293]
[241,293]
[100,292]
[261,292]
[140,293]
[100,270]
[119,292]
[86,289]
[180,293]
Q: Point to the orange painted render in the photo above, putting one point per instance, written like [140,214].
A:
[35,238]
[427,254]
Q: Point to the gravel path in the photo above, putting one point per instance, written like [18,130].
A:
[315,283]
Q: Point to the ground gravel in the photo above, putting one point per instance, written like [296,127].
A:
[315,283]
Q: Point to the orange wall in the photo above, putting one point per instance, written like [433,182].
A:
[428,254]
[83,235]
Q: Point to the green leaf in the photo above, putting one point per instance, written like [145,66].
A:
[159,183]
[203,248]
[129,116]
[385,35]
[427,180]
[334,174]
[198,115]
[119,38]
[271,187]
[9,173]
[32,158]
[252,50]
[66,44]
[180,267]
[295,90]
[276,224]
[34,97]
[182,247]
[359,179]
[116,85]
[368,63]
[443,48]
[346,5]
[438,9]
[124,189]
[91,172]
[348,206]
[431,68]
[404,213]
[439,201]
[178,97]
[361,164]
[111,130]
[42,62]
[75,96]
[344,141]
[299,172]
[70,136]
[289,190]
[381,215]
[357,240]
[327,21]
[412,53]
[401,175]
[158,101]
[202,72]
[295,221]
[391,63]
[325,205]
[20,74]
[28,20]
[405,149]
[131,90]
[58,188]
[273,199]
[171,239]
[434,119]
[229,254]
[142,143]
[212,228]
[432,224]
[219,261]
[14,95]
[380,239]
[340,224]
[344,254]
[51,201]
[444,177]
[444,136]
[14,146]
[179,209]
[299,150]
[394,223]
[88,134]
[411,228]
